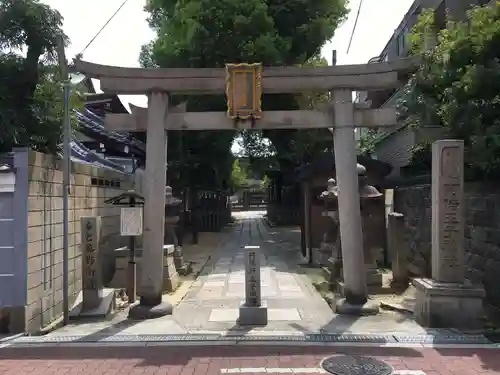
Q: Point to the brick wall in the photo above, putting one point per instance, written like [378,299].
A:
[90,186]
[482,233]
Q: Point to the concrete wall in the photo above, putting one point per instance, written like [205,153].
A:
[90,186]
[482,233]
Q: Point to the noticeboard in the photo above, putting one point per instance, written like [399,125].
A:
[131,221]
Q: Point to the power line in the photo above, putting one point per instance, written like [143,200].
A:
[103,27]
[354,27]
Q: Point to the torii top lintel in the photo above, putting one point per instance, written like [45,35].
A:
[362,77]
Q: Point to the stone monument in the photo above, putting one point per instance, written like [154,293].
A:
[91,265]
[448,300]
[94,300]
[172,212]
[252,312]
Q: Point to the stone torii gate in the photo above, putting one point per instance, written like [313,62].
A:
[244,84]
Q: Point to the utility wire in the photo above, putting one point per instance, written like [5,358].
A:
[354,27]
[103,27]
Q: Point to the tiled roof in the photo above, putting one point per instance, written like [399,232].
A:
[95,124]
[80,153]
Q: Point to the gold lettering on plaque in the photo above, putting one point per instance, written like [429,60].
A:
[244,90]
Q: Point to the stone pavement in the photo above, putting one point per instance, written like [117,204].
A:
[215,360]
[213,302]
[209,309]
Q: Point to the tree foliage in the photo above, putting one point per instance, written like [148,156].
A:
[239,178]
[367,142]
[30,94]
[458,85]
[211,33]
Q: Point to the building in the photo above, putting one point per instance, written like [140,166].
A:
[393,145]
[93,143]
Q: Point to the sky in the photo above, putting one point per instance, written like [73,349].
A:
[120,42]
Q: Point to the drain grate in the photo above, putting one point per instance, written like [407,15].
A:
[442,339]
[355,365]
[311,337]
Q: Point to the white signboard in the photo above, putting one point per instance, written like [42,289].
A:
[131,221]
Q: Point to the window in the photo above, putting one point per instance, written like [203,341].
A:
[440,16]
[402,41]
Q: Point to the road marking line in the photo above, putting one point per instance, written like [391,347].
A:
[276,370]
[301,370]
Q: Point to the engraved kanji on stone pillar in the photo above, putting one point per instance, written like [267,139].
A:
[447,211]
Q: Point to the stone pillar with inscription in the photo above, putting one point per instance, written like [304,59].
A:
[91,266]
[252,312]
[448,300]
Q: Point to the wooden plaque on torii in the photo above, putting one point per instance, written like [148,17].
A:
[244,91]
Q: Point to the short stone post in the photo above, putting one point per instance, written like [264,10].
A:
[91,265]
[252,312]
[447,300]
[397,248]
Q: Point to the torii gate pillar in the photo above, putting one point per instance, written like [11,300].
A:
[355,288]
[151,283]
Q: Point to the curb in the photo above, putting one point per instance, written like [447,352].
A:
[401,340]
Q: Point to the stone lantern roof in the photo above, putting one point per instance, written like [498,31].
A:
[326,164]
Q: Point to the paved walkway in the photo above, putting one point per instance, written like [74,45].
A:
[215,360]
[209,309]
[213,303]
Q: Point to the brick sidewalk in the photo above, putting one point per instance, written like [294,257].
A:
[214,360]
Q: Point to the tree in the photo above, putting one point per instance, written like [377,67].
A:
[30,94]
[458,85]
[210,33]
[239,178]
[367,142]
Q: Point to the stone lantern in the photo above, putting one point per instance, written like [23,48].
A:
[371,202]
[370,205]
[172,214]
[330,248]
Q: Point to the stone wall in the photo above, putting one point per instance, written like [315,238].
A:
[90,186]
[482,233]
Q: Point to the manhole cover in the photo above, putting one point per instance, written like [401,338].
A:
[354,365]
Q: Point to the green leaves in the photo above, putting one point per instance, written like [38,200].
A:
[239,177]
[211,33]
[30,95]
[458,85]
